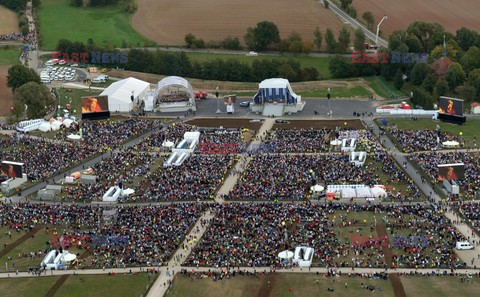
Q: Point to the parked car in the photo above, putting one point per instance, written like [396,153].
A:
[252,53]
[245,104]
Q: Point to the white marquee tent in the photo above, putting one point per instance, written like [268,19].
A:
[119,94]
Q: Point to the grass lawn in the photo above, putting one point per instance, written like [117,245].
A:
[9,55]
[357,91]
[74,98]
[124,285]
[469,129]
[321,63]
[5,238]
[26,287]
[282,285]
[382,87]
[105,25]
[443,286]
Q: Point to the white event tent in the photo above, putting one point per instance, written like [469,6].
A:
[119,94]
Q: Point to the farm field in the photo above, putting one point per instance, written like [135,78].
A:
[168,21]
[107,26]
[282,285]
[451,15]
[8,21]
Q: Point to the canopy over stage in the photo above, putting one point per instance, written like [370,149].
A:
[275,97]
[173,94]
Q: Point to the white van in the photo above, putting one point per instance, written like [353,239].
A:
[463,245]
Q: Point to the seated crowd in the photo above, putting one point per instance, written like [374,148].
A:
[253,234]
[429,162]
[421,140]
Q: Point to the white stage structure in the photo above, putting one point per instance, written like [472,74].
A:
[120,94]
[358,158]
[112,194]
[27,126]
[56,260]
[348,144]
[169,88]
[306,260]
[275,97]
[183,150]
[358,191]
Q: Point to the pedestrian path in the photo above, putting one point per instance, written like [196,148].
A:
[161,285]
[242,163]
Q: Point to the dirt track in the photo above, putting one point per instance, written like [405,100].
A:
[6,95]
[226,123]
[452,15]
[168,21]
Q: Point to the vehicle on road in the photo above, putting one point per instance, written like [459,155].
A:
[252,54]
[245,104]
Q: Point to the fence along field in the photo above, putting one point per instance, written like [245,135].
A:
[452,15]
[168,21]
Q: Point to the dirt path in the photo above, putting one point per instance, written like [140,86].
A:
[19,241]
[397,285]
[266,288]
[382,231]
[56,286]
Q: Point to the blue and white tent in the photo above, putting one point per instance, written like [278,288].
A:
[276,90]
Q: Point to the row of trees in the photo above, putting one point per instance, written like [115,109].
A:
[231,43]
[167,63]
[462,78]
[28,91]
[126,5]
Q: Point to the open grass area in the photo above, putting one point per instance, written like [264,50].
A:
[26,287]
[107,26]
[9,55]
[321,63]
[382,87]
[73,96]
[5,238]
[356,91]
[282,285]
[444,286]
[125,285]
[469,129]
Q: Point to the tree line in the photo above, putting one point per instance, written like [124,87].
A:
[461,79]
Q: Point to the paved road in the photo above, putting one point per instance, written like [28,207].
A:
[355,24]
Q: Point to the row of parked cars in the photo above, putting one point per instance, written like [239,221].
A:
[51,73]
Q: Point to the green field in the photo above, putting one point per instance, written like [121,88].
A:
[9,55]
[282,285]
[382,87]
[469,129]
[321,63]
[357,91]
[125,285]
[439,286]
[26,287]
[73,97]
[105,25]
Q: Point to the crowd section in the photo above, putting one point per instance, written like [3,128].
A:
[289,177]
[422,140]
[151,233]
[220,141]
[11,36]
[196,179]
[120,168]
[177,97]
[173,133]
[253,234]
[42,157]
[471,214]
[317,141]
[469,186]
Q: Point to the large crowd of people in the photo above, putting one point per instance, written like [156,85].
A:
[253,235]
[470,184]
[11,36]
[289,177]
[197,178]
[422,140]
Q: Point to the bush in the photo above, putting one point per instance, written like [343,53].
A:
[231,43]
[76,3]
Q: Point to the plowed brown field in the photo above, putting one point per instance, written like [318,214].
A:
[452,15]
[168,21]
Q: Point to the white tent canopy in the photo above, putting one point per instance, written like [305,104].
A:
[285,255]
[174,81]
[119,93]
[317,188]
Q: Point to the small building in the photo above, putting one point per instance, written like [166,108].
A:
[125,94]
[475,108]
[440,67]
